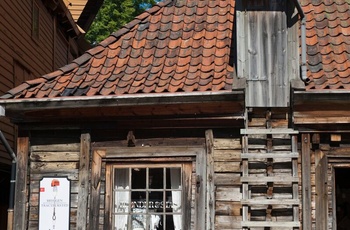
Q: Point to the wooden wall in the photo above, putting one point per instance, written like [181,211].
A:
[23,57]
[323,189]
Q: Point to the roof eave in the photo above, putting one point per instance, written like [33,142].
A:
[321,96]
[15,108]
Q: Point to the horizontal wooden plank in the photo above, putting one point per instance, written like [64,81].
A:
[228,208]
[56,147]
[227,155]
[271,224]
[57,167]
[270,202]
[54,156]
[227,166]
[270,155]
[227,179]
[151,152]
[228,222]
[268,131]
[226,143]
[265,179]
[228,194]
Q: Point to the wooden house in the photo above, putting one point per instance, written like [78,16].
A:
[36,37]
[195,115]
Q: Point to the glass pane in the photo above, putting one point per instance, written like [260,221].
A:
[156,222]
[156,178]
[121,179]
[121,222]
[139,220]
[173,178]
[138,201]
[176,201]
[121,202]
[156,203]
[173,222]
[139,178]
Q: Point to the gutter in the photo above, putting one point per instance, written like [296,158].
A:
[303,40]
[12,179]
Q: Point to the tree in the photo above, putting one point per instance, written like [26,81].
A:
[113,15]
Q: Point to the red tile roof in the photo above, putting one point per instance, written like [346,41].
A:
[328,43]
[186,47]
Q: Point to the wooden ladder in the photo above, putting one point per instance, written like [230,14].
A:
[268,201]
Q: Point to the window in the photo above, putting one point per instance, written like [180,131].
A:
[35,21]
[149,196]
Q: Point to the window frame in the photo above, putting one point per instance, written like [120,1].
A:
[186,171]
[196,156]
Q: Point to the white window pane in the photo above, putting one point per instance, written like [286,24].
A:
[121,222]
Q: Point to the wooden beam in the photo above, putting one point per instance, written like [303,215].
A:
[306,180]
[209,138]
[83,190]
[20,217]
[335,137]
[96,166]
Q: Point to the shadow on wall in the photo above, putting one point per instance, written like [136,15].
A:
[4,195]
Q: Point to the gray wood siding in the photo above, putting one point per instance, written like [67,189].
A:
[266,52]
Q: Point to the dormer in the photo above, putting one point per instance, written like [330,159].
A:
[267,50]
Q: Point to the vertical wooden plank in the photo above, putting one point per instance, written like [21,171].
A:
[108,198]
[209,138]
[83,190]
[20,217]
[321,191]
[95,189]
[201,189]
[187,195]
[306,180]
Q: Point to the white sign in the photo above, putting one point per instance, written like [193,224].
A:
[54,203]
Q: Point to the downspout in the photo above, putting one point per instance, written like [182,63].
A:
[12,180]
[303,40]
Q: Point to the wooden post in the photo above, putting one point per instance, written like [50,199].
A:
[306,180]
[209,139]
[321,184]
[201,189]
[83,190]
[95,189]
[20,219]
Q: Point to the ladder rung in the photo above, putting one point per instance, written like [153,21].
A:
[269,131]
[287,224]
[270,202]
[266,179]
[270,155]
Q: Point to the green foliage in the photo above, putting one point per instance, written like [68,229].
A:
[113,15]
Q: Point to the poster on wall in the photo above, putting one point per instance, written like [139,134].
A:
[54,203]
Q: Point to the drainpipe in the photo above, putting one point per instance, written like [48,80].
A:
[303,40]
[12,180]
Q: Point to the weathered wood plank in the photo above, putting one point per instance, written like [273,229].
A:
[306,183]
[70,147]
[21,183]
[54,156]
[83,181]
[228,194]
[264,179]
[227,179]
[210,200]
[95,190]
[228,222]
[321,186]
[271,224]
[136,152]
[227,166]
[227,155]
[222,143]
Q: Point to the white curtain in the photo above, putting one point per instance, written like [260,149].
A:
[122,200]
[175,177]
